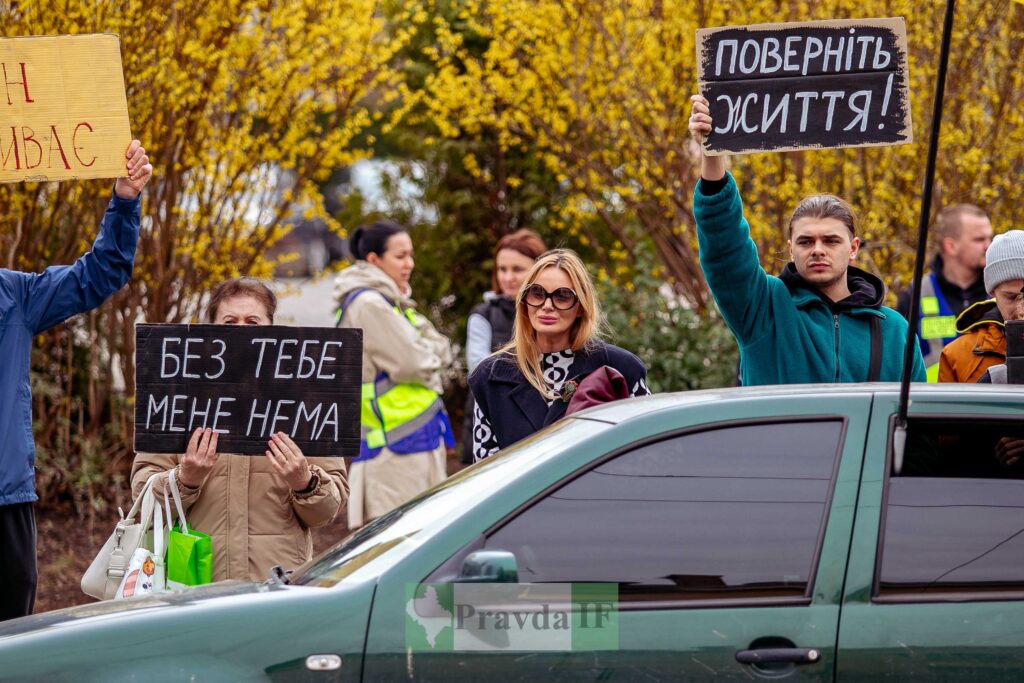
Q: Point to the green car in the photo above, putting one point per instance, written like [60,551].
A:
[747,534]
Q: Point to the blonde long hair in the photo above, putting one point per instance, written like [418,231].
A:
[585,330]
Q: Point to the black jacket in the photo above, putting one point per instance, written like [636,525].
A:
[500,314]
[516,410]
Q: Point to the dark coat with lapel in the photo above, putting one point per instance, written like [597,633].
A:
[516,410]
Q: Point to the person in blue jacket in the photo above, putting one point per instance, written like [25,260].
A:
[31,303]
[822,319]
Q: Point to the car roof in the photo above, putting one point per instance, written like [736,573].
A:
[619,411]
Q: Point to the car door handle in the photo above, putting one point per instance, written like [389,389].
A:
[796,655]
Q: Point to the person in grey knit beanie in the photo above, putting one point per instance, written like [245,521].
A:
[982,340]
[1004,259]
[1004,272]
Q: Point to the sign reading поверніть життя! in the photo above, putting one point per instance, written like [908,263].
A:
[248,382]
[805,85]
[63,110]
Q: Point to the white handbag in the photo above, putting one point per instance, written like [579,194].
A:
[146,572]
[107,572]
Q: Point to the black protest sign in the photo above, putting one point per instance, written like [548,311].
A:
[805,85]
[248,382]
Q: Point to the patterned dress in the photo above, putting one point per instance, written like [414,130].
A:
[555,367]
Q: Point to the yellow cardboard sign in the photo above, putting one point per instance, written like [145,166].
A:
[63,110]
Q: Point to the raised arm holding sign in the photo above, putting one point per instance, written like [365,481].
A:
[821,320]
[46,135]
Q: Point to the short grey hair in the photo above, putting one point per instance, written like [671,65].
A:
[950,221]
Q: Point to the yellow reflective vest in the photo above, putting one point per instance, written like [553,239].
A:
[937,328]
[392,412]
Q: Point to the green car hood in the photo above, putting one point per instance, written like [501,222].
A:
[228,631]
[112,609]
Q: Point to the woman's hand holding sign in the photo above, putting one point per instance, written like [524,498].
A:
[199,458]
[711,168]
[289,462]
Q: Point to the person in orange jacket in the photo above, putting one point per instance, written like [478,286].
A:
[982,343]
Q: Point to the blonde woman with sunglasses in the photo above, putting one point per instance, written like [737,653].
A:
[527,384]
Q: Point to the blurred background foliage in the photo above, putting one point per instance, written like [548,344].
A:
[564,116]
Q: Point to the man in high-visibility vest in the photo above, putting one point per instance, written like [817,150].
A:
[962,235]
[982,343]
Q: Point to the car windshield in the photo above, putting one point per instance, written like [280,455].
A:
[409,524]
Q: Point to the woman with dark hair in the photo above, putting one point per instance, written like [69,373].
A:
[556,344]
[257,510]
[490,323]
[406,433]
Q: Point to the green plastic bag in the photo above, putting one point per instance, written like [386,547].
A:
[189,552]
[189,557]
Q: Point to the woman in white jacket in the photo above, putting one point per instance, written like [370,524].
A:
[406,432]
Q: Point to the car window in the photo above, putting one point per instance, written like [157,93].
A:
[407,525]
[954,517]
[735,512]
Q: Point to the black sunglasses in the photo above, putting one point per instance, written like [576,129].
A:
[562,298]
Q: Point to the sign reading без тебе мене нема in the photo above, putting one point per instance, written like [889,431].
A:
[63,110]
[248,382]
[805,85]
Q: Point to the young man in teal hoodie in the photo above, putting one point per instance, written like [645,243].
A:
[821,320]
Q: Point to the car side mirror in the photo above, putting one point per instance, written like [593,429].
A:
[489,566]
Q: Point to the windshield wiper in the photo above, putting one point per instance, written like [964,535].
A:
[278,575]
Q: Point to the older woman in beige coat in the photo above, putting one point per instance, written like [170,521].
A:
[374,294]
[257,510]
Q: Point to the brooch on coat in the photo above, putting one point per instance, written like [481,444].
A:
[568,389]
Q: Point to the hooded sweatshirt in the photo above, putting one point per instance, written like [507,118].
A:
[982,344]
[787,331]
[407,352]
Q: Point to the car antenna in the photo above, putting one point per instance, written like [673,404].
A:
[899,439]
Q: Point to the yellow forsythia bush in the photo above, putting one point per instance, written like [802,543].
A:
[601,89]
[244,107]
